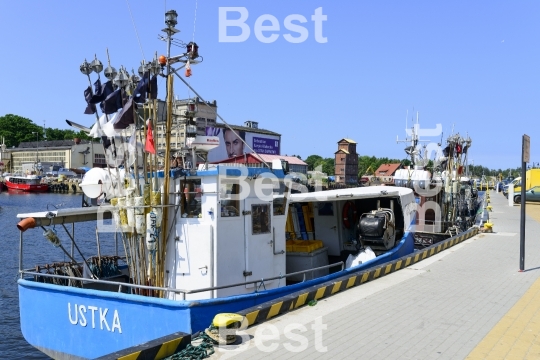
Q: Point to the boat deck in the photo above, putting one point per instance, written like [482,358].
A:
[467,302]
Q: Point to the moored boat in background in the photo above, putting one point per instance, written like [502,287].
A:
[29,183]
[449,203]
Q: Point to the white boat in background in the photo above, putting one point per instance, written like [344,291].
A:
[449,201]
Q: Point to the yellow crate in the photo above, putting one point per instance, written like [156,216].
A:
[316,243]
[289,244]
[303,248]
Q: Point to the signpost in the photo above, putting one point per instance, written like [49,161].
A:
[525,158]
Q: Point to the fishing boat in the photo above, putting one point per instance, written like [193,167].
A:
[449,201]
[27,183]
[191,241]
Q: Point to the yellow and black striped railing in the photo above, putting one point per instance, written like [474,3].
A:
[155,349]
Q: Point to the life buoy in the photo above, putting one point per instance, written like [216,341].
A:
[349,214]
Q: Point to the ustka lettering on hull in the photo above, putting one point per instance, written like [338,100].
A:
[94,316]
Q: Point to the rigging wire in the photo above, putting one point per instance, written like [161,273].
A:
[193,40]
[135,27]
[195,19]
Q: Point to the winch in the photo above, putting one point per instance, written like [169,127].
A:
[377,229]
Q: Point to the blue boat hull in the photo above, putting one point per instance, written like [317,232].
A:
[69,322]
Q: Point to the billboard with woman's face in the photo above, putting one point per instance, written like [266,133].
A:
[231,144]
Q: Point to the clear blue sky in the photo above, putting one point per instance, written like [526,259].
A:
[470,65]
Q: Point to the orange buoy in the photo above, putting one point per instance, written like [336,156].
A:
[349,214]
[162,60]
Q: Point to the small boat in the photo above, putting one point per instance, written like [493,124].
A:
[28,183]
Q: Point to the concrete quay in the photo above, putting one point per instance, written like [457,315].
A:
[467,302]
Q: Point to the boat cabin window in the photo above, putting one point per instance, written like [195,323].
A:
[191,198]
[230,202]
[260,219]
[326,209]
[279,206]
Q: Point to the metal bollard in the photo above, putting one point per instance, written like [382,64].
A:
[224,328]
[511,195]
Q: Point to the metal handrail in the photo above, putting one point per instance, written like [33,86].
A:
[182,291]
[147,287]
[268,279]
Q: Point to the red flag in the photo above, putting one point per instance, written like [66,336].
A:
[149,146]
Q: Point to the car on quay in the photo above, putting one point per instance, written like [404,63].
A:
[516,182]
[533,194]
[501,184]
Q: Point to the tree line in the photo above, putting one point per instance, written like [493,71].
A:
[17,129]
[367,165]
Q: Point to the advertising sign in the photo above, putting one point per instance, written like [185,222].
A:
[231,145]
[263,145]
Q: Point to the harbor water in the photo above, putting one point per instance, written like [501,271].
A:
[37,251]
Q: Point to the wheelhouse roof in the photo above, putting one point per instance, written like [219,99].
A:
[405,194]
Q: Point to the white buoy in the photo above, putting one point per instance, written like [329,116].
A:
[130,211]
[152,231]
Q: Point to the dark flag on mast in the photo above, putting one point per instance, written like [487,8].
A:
[126,116]
[101,92]
[113,102]
[90,108]
[152,88]
[106,142]
[139,94]
[146,87]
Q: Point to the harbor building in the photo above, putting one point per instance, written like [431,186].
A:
[387,170]
[346,162]
[193,117]
[56,153]
[384,175]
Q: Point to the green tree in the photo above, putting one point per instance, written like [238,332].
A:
[16,129]
[328,166]
[54,134]
[312,161]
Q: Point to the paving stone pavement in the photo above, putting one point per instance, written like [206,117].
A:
[440,308]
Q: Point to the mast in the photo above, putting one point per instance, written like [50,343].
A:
[170,21]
